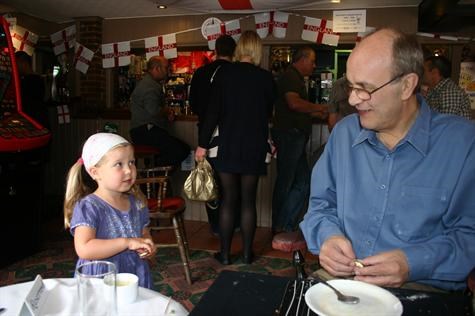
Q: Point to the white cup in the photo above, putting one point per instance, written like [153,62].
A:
[95,298]
[127,286]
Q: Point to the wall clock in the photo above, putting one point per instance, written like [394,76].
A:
[208,22]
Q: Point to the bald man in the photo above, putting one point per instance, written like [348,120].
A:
[150,116]
[393,190]
[291,131]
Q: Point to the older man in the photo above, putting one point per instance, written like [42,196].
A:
[150,115]
[444,95]
[392,188]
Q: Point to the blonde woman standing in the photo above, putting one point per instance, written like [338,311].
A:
[241,105]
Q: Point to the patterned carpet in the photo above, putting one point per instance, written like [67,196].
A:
[167,270]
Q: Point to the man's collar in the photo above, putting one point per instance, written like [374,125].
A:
[418,135]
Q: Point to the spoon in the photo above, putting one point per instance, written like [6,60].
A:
[342,297]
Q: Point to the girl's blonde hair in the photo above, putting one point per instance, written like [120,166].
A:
[249,45]
[79,184]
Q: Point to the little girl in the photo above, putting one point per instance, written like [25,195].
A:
[105,211]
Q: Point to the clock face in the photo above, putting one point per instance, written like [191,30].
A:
[206,23]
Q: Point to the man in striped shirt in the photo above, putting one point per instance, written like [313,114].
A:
[444,95]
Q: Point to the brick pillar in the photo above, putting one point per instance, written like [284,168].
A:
[92,85]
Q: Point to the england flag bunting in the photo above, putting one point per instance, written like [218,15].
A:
[64,40]
[218,5]
[82,58]
[231,28]
[24,40]
[63,114]
[164,45]
[274,23]
[361,35]
[319,31]
[116,54]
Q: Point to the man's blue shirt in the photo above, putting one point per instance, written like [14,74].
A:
[418,197]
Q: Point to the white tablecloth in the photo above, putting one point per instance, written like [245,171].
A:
[62,300]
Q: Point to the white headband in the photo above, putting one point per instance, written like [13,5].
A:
[97,146]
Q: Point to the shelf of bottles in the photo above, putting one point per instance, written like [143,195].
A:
[177,92]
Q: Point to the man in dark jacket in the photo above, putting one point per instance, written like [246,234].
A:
[150,116]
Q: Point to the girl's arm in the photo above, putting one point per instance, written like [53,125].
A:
[90,248]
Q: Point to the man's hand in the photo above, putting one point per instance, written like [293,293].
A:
[337,256]
[384,269]
[171,115]
[168,112]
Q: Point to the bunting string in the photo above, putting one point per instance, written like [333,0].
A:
[119,54]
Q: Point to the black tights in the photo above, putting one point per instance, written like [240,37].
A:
[237,189]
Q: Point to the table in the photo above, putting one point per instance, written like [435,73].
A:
[247,294]
[62,300]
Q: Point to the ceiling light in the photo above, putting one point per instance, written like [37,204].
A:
[335,1]
[161,6]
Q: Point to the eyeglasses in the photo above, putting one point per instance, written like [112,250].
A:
[365,95]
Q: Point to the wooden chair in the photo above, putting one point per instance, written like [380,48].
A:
[167,209]
[146,168]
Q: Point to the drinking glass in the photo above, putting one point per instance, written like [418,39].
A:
[96,282]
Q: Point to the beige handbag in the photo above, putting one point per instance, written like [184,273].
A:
[200,184]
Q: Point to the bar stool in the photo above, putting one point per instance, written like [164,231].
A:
[145,155]
[471,281]
[471,285]
[295,243]
[170,209]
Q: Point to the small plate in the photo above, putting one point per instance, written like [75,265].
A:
[374,300]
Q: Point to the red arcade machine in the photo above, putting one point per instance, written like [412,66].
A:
[21,158]
[18,132]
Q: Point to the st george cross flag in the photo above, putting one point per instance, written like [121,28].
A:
[82,58]
[24,40]
[361,35]
[275,23]
[319,31]
[116,54]
[164,45]
[64,40]
[231,28]
[63,114]
[260,5]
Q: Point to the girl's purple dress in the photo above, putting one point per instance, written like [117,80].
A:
[110,223]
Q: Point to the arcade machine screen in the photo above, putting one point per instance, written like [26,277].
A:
[18,131]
